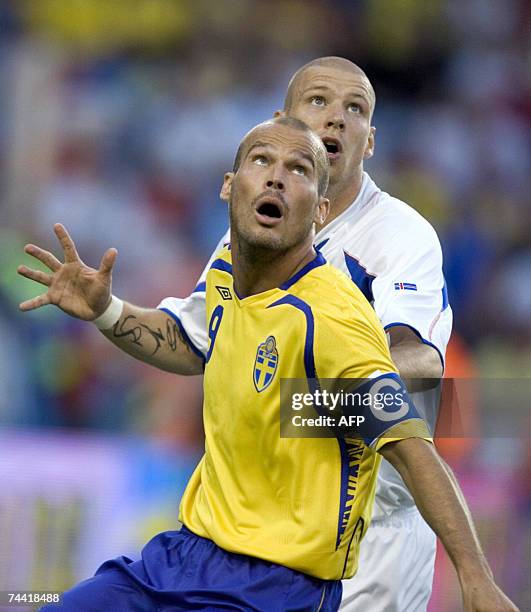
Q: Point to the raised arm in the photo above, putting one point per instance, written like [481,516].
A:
[83,292]
[443,506]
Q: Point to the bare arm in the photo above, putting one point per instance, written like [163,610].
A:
[84,292]
[414,359]
[442,504]
[153,336]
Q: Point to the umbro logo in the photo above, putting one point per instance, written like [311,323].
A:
[224,292]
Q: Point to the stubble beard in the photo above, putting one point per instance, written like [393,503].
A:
[258,248]
[255,246]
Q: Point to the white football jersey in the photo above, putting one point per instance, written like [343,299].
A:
[394,256]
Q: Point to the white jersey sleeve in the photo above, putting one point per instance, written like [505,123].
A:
[411,290]
[190,312]
[394,256]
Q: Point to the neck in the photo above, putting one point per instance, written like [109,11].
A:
[257,269]
[341,195]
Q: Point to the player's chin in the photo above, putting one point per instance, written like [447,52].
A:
[336,167]
[267,238]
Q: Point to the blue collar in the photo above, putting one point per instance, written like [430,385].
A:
[318,260]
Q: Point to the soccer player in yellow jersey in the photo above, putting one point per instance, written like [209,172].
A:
[271,523]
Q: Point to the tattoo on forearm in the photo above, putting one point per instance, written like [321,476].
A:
[172,333]
[156,335]
[136,334]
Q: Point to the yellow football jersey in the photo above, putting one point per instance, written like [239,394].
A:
[300,502]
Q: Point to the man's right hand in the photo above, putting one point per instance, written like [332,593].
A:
[77,289]
[149,334]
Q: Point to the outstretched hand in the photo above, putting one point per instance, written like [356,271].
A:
[77,289]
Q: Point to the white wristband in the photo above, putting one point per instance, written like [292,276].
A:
[111,314]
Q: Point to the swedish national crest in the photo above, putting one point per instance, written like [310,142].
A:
[265,364]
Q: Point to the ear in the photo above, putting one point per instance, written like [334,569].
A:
[369,148]
[322,210]
[279,113]
[226,187]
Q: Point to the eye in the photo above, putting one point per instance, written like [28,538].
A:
[260,160]
[353,107]
[301,170]
[317,100]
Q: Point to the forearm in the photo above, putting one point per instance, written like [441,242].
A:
[441,503]
[419,364]
[152,336]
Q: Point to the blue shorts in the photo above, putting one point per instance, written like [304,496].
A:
[181,571]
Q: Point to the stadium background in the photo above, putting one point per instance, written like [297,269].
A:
[119,119]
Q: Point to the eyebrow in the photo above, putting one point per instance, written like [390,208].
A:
[258,143]
[298,153]
[352,94]
[306,156]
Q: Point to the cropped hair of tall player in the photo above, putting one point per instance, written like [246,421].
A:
[393,255]
[271,523]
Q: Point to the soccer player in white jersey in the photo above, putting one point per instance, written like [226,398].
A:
[393,254]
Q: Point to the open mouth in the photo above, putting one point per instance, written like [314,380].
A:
[333,147]
[269,212]
[269,209]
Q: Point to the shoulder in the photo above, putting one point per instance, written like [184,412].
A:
[397,221]
[348,336]
[334,298]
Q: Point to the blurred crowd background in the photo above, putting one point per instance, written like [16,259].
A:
[119,119]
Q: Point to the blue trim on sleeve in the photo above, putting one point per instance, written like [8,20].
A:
[200,287]
[444,297]
[418,334]
[313,384]
[221,264]
[317,261]
[360,276]
[185,335]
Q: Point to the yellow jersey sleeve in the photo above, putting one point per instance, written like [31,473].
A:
[351,347]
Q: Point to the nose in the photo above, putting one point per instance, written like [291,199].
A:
[276,184]
[336,119]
